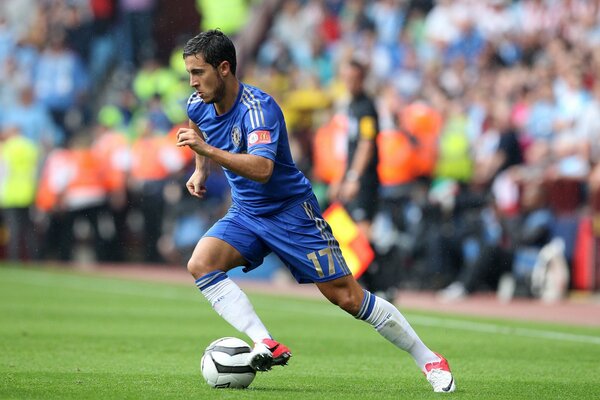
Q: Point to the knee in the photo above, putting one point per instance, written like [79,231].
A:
[348,300]
[198,267]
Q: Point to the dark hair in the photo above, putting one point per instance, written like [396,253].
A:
[214,46]
[360,65]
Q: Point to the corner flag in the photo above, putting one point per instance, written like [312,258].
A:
[354,244]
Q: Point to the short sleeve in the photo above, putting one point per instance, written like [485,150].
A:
[262,123]
[367,127]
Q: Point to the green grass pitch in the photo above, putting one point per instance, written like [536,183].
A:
[67,335]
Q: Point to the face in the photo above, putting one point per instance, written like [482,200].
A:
[206,79]
[353,79]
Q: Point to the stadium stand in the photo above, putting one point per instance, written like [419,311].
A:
[510,90]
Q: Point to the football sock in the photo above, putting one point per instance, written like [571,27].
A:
[392,325]
[228,300]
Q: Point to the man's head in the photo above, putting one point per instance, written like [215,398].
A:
[354,74]
[210,59]
[214,47]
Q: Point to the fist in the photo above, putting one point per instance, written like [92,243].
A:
[189,137]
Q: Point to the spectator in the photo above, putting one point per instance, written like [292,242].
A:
[517,254]
[19,157]
[18,15]
[497,148]
[33,120]
[388,19]
[153,160]
[16,72]
[589,127]
[60,83]
[111,149]
[152,79]
[228,15]
[76,181]
[136,36]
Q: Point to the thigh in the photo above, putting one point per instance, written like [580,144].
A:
[304,242]
[230,243]
[212,254]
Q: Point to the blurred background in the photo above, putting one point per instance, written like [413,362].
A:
[489,138]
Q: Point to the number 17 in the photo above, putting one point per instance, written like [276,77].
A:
[315,260]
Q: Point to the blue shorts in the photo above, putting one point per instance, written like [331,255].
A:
[299,236]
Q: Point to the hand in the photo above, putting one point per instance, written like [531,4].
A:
[349,190]
[195,185]
[189,137]
[333,191]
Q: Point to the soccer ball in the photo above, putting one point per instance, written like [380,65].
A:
[224,364]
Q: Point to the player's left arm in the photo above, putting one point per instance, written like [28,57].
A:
[249,166]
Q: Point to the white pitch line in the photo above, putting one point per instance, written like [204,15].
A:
[503,330]
[457,324]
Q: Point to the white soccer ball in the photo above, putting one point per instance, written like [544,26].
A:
[224,364]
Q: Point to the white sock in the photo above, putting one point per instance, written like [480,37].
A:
[392,325]
[228,300]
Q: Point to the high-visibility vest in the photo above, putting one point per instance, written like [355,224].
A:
[85,180]
[454,160]
[155,158]
[425,124]
[397,158]
[19,157]
[227,15]
[330,150]
[426,155]
[73,178]
[148,83]
[52,180]
[421,120]
[145,162]
[111,149]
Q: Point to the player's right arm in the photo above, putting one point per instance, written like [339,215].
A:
[254,167]
[195,185]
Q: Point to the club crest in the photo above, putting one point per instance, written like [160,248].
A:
[236,136]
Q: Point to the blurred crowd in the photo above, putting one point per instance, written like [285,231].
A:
[489,136]
[88,113]
[489,132]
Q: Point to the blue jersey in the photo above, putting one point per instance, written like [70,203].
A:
[254,125]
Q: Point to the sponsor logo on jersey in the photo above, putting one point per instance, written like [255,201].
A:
[259,137]
[236,136]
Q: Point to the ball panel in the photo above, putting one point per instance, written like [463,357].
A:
[232,351]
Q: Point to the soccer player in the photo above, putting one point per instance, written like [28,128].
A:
[273,209]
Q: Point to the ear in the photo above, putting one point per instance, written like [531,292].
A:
[224,68]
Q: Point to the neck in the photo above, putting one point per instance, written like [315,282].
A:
[357,94]
[232,88]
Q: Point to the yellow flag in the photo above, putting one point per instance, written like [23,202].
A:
[355,246]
